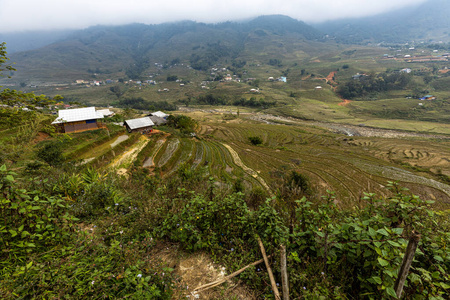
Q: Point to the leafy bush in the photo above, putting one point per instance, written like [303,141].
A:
[45,257]
[184,123]
[255,140]
[361,251]
[51,153]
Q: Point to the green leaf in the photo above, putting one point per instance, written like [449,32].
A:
[391,292]
[320,233]
[377,279]
[438,258]
[9,178]
[3,168]
[395,244]
[444,286]
[372,232]
[13,233]
[383,262]
[383,232]
[413,277]
[398,231]
[389,273]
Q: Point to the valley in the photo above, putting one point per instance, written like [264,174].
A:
[279,135]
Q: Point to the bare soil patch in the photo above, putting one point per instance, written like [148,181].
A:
[196,269]
[41,136]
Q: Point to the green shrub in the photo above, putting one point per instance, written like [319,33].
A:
[51,153]
[255,140]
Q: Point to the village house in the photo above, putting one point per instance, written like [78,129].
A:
[428,97]
[106,112]
[78,119]
[159,114]
[158,120]
[142,125]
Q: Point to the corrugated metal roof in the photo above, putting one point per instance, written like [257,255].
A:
[139,123]
[159,114]
[105,112]
[158,120]
[77,114]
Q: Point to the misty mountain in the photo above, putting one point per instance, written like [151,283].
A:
[29,40]
[131,49]
[426,22]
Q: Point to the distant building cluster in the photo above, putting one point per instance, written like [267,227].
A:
[88,118]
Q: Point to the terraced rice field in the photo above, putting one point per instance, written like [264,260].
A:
[332,161]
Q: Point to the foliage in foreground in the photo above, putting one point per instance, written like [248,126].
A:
[46,254]
[333,253]
[107,252]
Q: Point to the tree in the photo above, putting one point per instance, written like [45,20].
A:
[4,59]
[116,90]
[184,123]
[255,140]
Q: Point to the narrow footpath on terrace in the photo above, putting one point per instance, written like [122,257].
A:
[253,173]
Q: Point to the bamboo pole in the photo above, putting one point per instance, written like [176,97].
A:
[406,264]
[220,281]
[269,270]
[284,274]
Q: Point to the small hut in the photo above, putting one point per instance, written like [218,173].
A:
[143,125]
[159,114]
[78,119]
[158,120]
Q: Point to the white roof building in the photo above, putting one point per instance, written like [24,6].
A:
[160,114]
[105,112]
[139,123]
[77,114]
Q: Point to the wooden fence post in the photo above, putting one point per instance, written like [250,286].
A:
[269,270]
[284,275]
[406,264]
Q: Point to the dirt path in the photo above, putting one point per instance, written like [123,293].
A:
[344,102]
[253,173]
[119,140]
[331,76]
[129,156]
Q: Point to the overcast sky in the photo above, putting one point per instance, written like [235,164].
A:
[20,15]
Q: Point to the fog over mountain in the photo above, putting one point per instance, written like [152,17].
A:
[427,22]
[31,15]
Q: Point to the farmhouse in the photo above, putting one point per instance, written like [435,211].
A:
[143,125]
[159,114]
[78,119]
[158,120]
[106,112]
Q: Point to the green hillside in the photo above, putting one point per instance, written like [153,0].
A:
[132,49]
[243,169]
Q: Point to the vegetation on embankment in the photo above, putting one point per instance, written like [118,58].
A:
[76,230]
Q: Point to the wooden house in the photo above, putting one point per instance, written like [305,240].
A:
[78,119]
[143,125]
